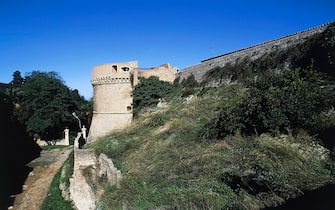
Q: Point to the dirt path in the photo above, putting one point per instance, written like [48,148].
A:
[37,183]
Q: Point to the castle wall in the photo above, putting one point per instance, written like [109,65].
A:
[112,93]
[165,72]
[104,123]
[112,99]
[252,52]
[115,97]
[113,83]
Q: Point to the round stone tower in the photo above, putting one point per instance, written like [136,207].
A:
[112,97]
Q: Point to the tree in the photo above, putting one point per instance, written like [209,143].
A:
[15,87]
[149,91]
[18,80]
[46,105]
[17,149]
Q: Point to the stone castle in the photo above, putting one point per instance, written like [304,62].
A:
[113,83]
[112,93]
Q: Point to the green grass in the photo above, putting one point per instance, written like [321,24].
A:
[54,199]
[166,163]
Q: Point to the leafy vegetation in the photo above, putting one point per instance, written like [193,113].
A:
[16,150]
[166,165]
[243,141]
[149,91]
[188,86]
[276,102]
[44,104]
[317,51]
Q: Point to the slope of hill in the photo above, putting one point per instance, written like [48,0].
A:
[246,138]
[167,163]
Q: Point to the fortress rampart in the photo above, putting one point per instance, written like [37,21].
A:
[252,52]
[113,83]
[165,72]
[112,93]
[112,101]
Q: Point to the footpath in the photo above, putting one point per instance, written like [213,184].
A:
[37,184]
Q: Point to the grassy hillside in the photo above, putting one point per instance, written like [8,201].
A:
[245,138]
[167,163]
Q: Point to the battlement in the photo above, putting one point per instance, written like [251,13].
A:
[252,52]
[165,72]
[113,70]
[110,80]
[112,99]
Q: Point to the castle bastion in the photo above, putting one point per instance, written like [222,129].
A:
[112,93]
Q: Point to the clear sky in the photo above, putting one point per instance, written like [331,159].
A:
[72,36]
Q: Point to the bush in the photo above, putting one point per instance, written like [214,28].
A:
[149,91]
[275,102]
[188,86]
[239,70]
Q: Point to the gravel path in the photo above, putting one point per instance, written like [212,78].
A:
[37,183]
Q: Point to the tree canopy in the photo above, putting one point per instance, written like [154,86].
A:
[149,91]
[45,104]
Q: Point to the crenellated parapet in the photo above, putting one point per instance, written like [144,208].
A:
[112,97]
[110,80]
[113,73]
[113,85]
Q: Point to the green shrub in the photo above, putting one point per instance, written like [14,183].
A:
[188,86]
[276,102]
[156,119]
[149,91]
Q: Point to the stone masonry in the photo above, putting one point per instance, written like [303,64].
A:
[112,100]
[113,83]
[252,52]
[112,93]
[81,193]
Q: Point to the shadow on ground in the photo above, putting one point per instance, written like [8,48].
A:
[16,150]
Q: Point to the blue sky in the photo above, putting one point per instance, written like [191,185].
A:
[70,37]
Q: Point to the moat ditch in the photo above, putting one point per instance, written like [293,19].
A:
[12,182]
[19,182]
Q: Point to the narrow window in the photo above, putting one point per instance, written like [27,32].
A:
[115,67]
[128,108]
[125,68]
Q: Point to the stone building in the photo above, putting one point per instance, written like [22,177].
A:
[113,83]
[112,93]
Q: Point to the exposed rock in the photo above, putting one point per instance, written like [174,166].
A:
[108,170]
[82,184]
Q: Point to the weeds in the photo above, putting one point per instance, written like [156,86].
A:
[166,165]
[54,199]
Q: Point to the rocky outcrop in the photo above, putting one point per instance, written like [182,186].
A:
[81,193]
[108,170]
[87,169]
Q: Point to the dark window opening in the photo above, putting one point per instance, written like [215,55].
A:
[128,108]
[125,68]
[115,67]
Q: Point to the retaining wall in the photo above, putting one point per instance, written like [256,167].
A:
[252,52]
